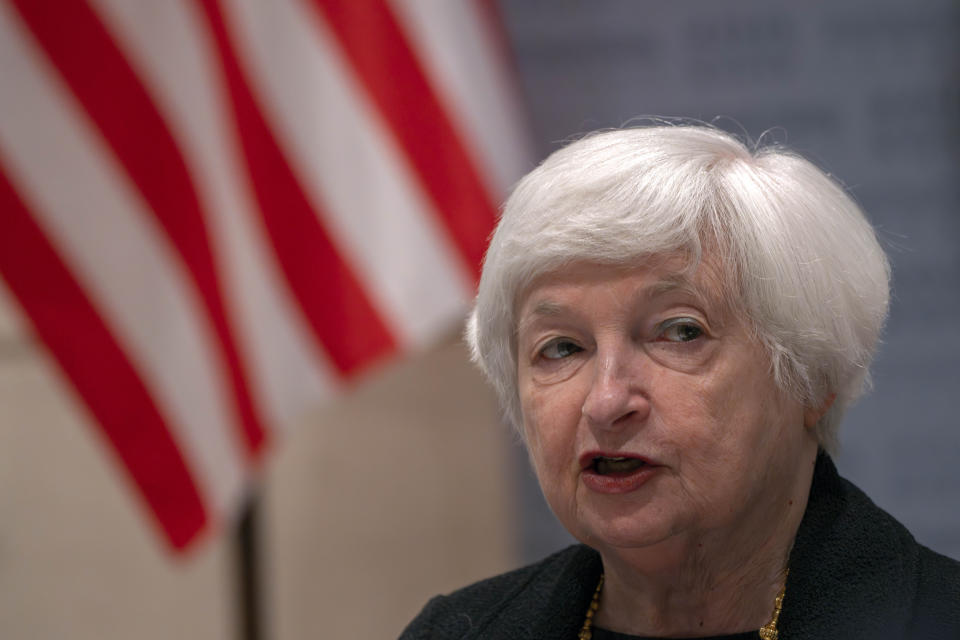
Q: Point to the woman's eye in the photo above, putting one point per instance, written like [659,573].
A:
[559,349]
[680,330]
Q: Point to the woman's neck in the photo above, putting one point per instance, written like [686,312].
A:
[713,583]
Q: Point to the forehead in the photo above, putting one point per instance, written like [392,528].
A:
[650,279]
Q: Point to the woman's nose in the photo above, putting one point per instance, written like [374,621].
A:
[617,394]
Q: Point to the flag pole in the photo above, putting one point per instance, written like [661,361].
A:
[247,549]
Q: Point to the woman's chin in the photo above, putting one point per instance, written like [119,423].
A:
[630,521]
[622,532]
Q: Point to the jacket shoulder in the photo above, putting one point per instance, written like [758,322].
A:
[937,604]
[467,610]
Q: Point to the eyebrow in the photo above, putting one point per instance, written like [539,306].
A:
[671,284]
[547,308]
[543,309]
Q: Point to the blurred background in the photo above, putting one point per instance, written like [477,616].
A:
[238,239]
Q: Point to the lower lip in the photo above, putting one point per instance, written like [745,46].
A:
[623,482]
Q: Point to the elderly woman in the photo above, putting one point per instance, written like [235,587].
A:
[676,325]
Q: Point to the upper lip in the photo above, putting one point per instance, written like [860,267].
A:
[586,459]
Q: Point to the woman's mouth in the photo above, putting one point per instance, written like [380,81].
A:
[615,474]
[604,465]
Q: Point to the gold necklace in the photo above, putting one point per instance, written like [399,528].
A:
[585,632]
[767,631]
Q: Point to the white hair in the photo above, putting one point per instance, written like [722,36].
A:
[797,253]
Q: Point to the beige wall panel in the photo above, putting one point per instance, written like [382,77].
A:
[397,493]
[78,557]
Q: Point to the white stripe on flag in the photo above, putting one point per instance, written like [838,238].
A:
[369,200]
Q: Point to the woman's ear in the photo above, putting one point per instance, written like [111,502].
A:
[812,415]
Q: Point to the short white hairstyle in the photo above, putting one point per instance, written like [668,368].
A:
[796,251]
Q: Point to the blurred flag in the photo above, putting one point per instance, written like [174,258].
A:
[216,213]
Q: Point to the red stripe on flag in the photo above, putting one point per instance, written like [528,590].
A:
[103,82]
[374,43]
[106,381]
[335,304]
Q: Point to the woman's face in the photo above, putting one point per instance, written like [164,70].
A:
[649,412]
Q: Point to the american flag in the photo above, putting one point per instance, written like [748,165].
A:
[218,213]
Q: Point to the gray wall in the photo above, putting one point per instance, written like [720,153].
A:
[869,91]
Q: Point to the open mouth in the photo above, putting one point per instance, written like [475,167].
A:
[603,465]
